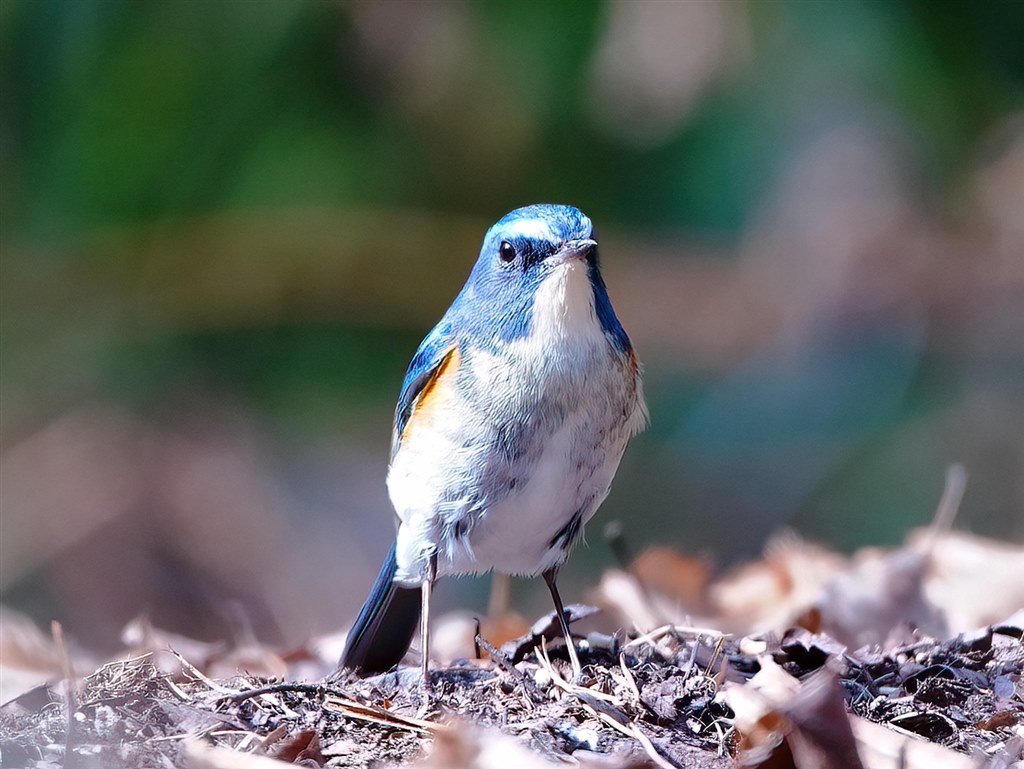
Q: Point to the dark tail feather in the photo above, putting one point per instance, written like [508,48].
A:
[384,628]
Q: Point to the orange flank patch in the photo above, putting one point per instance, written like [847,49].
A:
[436,395]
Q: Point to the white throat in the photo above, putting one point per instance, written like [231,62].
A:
[564,304]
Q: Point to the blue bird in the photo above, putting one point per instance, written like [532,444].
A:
[510,425]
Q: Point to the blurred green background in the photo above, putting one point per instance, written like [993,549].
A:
[226,226]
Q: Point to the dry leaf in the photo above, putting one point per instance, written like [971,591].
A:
[681,578]
[976,581]
[788,724]
[770,594]
[622,596]
[862,606]
[882,747]
[301,748]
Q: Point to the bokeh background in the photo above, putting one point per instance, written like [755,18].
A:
[227,225]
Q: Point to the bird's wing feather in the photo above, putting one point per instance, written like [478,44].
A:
[437,356]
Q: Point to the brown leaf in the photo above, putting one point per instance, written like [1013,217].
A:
[881,592]
[788,724]
[680,577]
[884,748]
[301,748]
[28,658]
[768,595]
[1002,720]
[821,736]
[548,628]
[977,581]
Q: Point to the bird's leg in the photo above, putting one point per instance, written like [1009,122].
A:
[563,620]
[428,583]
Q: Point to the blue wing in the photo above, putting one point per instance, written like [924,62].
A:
[429,359]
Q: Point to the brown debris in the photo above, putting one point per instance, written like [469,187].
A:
[132,713]
[799,702]
[866,692]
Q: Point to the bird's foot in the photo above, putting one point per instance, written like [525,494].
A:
[426,691]
[574,660]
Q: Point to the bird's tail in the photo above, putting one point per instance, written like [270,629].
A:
[384,628]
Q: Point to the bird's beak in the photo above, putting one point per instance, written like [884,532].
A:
[575,249]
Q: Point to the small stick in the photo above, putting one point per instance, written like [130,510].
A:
[714,655]
[199,675]
[591,700]
[650,637]
[373,714]
[949,505]
[629,676]
[176,690]
[69,679]
[503,661]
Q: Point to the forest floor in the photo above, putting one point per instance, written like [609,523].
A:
[909,657]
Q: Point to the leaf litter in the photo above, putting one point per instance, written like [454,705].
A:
[805,659]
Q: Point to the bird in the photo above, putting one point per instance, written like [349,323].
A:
[512,420]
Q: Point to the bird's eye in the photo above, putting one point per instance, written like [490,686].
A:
[506,251]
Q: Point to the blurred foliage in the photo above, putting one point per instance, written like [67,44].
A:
[151,153]
[121,111]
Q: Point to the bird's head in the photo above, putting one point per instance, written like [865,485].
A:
[538,269]
[528,243]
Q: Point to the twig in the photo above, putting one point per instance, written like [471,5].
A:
[69,681]
[340,703]
[949,505]
[714,655]
[176,690]
[561,683]
[605,711]
[199,675]
[699,631]
[651,751]
[503,661]
[273,738]
[650,637]
[373,714]
[629,676]
[190,735]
